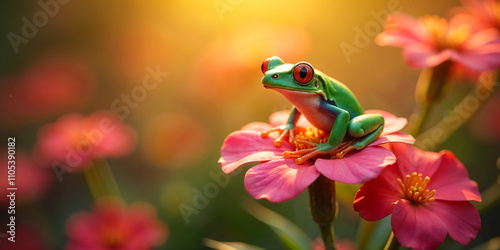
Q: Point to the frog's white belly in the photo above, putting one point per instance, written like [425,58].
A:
[308,104]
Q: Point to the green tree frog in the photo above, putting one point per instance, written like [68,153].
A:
[326,103]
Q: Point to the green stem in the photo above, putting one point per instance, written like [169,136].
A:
[100,180]
[392,243]
[418,118]
[458,116]
[430,86]
[323,205]
[365,230]
[490,197]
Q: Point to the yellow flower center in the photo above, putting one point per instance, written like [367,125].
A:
[305,142]
[415,188]
[442,34]
[305,138]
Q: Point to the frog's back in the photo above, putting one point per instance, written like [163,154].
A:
[342,96]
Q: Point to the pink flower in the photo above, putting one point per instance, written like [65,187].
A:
[75,140]
[111,225]
[279,179]
[31,180]
[479,14]
[431,40]
[428,196]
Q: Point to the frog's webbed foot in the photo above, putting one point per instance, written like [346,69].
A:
[308,150]
[302,155]
[285,131]
[312,150]
[344,149]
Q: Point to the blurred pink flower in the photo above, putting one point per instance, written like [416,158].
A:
[479,14]
[428,196]
[317,244]
[431,40]
[48,87]
[111,225]
[74,140]
[31,180]
[279,179]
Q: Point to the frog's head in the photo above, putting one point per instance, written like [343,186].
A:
[281,75]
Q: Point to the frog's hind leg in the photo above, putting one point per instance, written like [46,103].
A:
[367,128]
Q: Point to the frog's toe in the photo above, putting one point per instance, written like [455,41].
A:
[275,129]
[341,153]
[312,152]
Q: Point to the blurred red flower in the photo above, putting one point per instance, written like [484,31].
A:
[112,225]
[74,140]
[31,180]
[48,87]
[432,40]
[27,236]
[428,196]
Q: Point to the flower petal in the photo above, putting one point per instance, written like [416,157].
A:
[412,159]
[392,122]
[451,180]
[257,126]
[279,180]
[376,198]
[242,147]
[463,224]
[485,58]
[394,137]
[356,167]
[281,118]
[424,56]
[416,227]
[400,31]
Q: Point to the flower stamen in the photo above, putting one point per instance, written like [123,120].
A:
[414,188]
[442,34]
[306,142]
[309,138]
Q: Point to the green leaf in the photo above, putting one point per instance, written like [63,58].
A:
[381,234]
[289,233]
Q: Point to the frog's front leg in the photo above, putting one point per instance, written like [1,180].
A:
[367,127]
[335,138]
[286,130]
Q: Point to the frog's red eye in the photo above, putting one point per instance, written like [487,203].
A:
[265,65]
[303,73]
